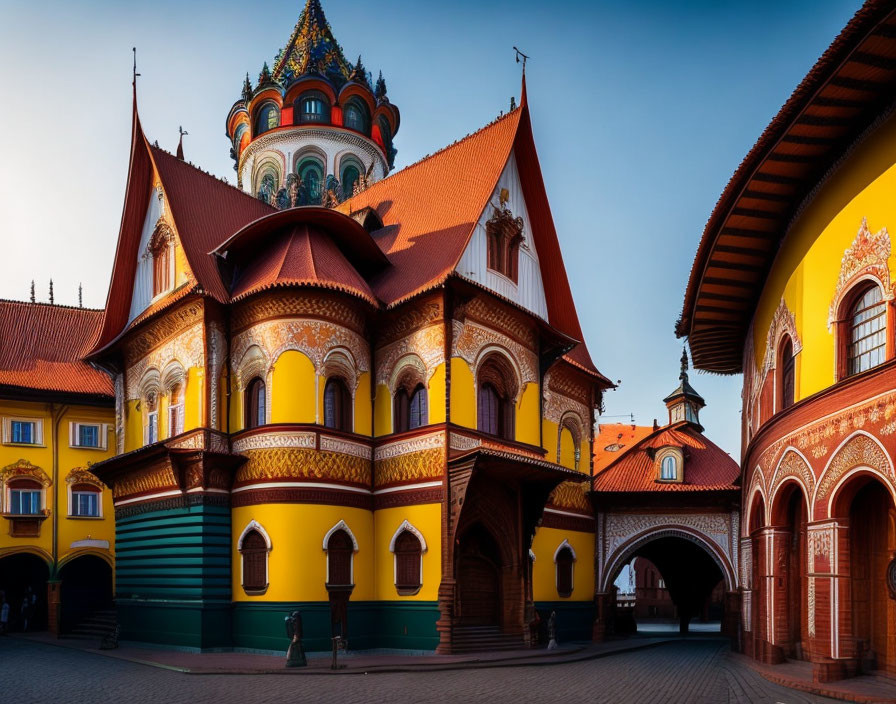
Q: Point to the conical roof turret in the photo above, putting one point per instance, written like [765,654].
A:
[312,49]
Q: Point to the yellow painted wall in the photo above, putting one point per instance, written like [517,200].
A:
[463,394]
[194,398]
[382,411]
[292,389]
[544,583]
[436,395]
[527,415]
[297,563]
[808,264]
[427,518]
[237,414]
[363,410]
[70,529]
[133,426]
[567,449]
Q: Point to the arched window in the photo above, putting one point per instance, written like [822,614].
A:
[669,468]
[495,411]
[564,560]
[267,186]
[313,107]
[25,497]
[337,405]
[254,552]
[340,548]
[787,379]
[355,116]
[268,118]
[867,324]
[311,174]
[175,410]
[86,500]
[408,563]
[410,409]
[350,176]
[504,234]
[151,429]
[161,249]
[256,410]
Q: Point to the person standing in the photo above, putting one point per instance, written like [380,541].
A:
[4,616]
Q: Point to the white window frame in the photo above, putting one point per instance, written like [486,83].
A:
[71,503]
[74,435]
[572,576]
[255,525]
[152,421]
[406,526]
[38,435]
[673,461]
[7,496]
[342,525]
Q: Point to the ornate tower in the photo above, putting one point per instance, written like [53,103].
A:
[316,128]
[684,403]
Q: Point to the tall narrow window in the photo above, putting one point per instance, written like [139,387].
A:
[339,559]
[401,411]
[495,411]
[355,117]
[337,405]
[254,552]
[564,562]
[314,107]
[787,374]
[669,468]
[162,265]
[152,417]
[504,234]
[417,416]
[311,175]
[175,411]
[867,331]
[350,176]
[408,563]
[256,411]
[268,119]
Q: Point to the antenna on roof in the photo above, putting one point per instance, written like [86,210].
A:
[80,295]
[32,290]
[51,291]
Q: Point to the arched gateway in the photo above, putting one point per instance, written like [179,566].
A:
[667,496]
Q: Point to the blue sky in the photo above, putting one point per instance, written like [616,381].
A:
[641,112]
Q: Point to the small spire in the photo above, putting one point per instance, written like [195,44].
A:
[247,88]
[684,364]
[180,143]
[80,295]
[380,91]
[265,75]
[359,73]
[51,292]
[32,290]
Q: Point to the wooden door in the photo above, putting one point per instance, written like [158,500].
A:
[478,585]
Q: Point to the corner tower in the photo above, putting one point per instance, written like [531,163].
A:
[316,128]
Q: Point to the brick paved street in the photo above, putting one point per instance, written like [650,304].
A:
[693,673]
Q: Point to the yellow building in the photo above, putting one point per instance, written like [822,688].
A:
[56,420]
[348,392]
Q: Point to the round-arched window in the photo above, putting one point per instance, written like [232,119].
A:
[267,186]
[311,174]
[669,469]
[867,323]
[268,118]
[350,176]
[256,413]
[355,116]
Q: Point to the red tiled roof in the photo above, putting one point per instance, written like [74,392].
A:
[43,345]
[706,466]
[302,255]
[613,438]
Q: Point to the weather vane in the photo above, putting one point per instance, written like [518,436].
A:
[134,80]
[521,56]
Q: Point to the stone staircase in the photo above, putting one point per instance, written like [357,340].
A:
[475,639]
[95,626]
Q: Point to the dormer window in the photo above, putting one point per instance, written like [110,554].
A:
[504,234]
[314,107]
[669,464]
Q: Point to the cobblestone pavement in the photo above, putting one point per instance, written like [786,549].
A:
[695,672]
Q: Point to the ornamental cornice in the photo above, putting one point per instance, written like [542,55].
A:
[261,441]
[471,339]
[415,444]
[188,349]
[23,469]
[162,329]
[83,475]
[289,304]
[309,135]
[861,450]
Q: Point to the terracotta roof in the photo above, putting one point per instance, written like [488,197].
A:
[43,345]
[613,438]
[303,255]
[846,90]
[706,466]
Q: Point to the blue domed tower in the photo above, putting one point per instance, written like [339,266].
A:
[316,128]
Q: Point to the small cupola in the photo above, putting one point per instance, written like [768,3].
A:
[684,403]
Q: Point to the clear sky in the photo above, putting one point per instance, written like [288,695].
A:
[641,111]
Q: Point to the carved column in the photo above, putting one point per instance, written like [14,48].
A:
[829,610]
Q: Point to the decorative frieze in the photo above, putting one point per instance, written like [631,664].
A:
[356,449]
[426,344]
[571,495]
[288,304]
[301,463]
[471,339]
[621,527]
[412,466]
[187,349]
[154,334]
[414,444]
[145,481]
[260,441]
[860,451]
[793,465]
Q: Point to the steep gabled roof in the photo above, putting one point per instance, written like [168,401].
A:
[43,345]
[430,209]
[706,466]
